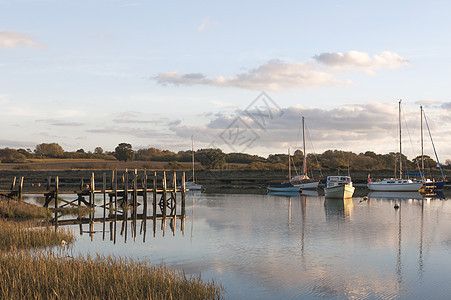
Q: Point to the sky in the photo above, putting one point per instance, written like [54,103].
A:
[235,75]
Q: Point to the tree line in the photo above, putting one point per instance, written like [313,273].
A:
[217,159]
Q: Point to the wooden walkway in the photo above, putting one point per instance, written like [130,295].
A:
[119,195]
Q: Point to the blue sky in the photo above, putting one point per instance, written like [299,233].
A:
[97,73]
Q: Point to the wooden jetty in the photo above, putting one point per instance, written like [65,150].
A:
[120,192]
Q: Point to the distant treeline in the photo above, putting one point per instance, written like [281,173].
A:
[217,159]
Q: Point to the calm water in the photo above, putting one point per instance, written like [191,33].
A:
[279,247]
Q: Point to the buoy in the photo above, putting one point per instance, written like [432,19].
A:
[63,243]
[396,206]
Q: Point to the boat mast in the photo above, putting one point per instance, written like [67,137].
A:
[400,141]
[289,165]
[192,154]
[422,152]
[303,143]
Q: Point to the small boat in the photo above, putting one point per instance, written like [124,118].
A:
[192,185]
[339,187]
[284,187]
[303,181]
[394,185]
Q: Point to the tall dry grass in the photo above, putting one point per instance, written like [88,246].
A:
[51,276]
[21,210]
[22,235]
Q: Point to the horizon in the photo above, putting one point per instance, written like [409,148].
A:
[236,76]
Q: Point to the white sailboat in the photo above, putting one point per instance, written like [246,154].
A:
[192,185]
[393,184]
[429,184]
[303,181]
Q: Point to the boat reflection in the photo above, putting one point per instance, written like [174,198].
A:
[310,193]
[339,207]
[394,195]
[284,194]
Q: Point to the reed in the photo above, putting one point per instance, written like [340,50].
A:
[13,209]
[25,235]
[47,275]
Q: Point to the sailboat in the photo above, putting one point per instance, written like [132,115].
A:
[303,181]
[285,187]
[395,184]
[429,184]
[192,185]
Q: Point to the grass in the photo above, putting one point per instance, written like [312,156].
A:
[12,209]
[51,276]
[20,235]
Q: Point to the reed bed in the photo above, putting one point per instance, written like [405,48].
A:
[47,275]
[22,235]
[14,209]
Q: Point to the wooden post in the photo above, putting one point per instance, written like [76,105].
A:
[183,195]
[125,202]
[91,191]
[174,188]
[135,189]
[145,193]
[154,200]
[115,193]
[56,191]
[104,199]
[154,203]
[13,184]
[165,200]
[20,188]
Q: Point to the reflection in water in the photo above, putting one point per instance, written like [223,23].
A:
[278,247]
[339,207]
[395,195]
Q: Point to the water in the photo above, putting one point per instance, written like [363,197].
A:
[282,247]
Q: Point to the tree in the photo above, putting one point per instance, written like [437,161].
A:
[98,150]
[124,152]
[211,158]
[11,156]
[49,150]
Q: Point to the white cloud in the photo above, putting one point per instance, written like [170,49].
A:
[361,60]
[274,75]
[203,25]
[12,39]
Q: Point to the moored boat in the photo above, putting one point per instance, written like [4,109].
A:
[339,187]
[394,185]
[284,187]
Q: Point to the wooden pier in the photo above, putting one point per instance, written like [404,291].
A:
[121,193]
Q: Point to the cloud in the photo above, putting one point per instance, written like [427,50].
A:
[274,75]
[357,128]
[360,60]
[446,105]
[203,25]
[12,39]
[60,123]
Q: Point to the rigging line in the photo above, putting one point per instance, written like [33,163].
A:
[313,151]
[433,146]
[411,143]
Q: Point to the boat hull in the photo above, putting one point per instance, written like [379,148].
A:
[394,187]
[284,189]
[341,191]
[308,185]
[434,185]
